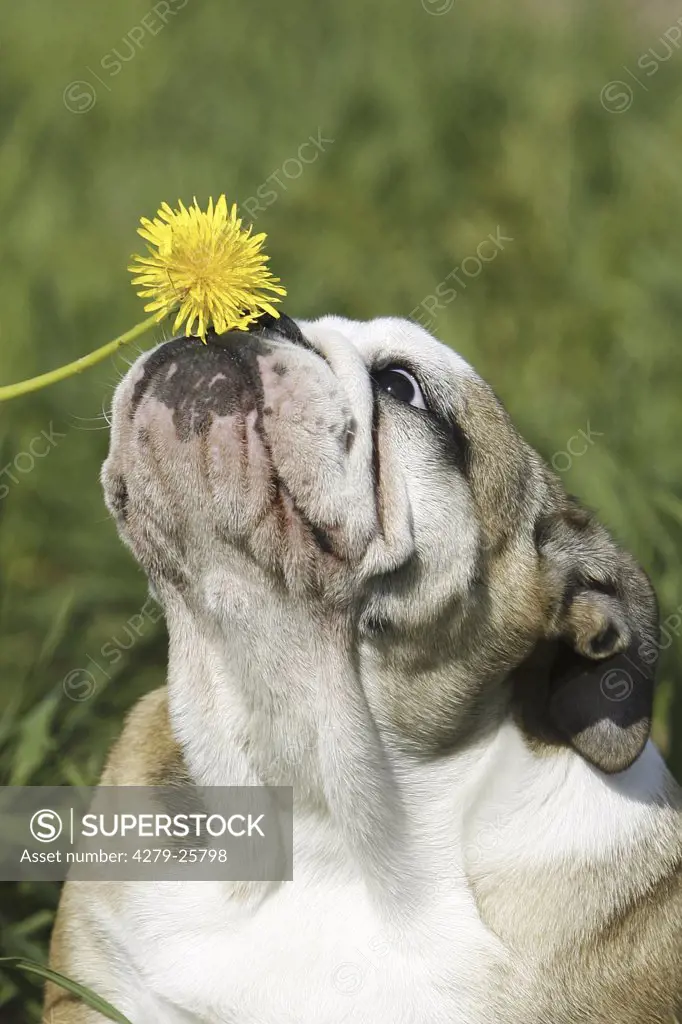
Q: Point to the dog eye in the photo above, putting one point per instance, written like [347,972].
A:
[402,385]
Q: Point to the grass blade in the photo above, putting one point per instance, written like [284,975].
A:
[84,994]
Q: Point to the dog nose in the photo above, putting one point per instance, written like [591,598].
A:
[220,376]
[198,381]
[282,326]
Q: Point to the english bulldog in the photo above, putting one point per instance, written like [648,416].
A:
[377,593]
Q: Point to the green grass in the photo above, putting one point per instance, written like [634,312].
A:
[444,128]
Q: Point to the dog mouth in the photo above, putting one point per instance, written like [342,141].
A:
[249,438]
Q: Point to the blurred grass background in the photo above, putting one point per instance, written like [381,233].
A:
[450,121]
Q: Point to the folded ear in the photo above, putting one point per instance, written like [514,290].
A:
[603,633]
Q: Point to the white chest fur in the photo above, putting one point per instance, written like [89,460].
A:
[303,959]
[313,951]
[318,951]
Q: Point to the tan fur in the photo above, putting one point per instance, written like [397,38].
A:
[622,966]
[145,754]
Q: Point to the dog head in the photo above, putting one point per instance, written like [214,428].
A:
[365,477]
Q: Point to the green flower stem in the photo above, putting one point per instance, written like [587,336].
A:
[62,372]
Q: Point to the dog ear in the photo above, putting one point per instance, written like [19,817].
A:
[603,633]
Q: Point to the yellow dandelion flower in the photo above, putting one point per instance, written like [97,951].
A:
[204,267]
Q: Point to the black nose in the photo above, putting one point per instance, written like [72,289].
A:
[265,325]
[282,325]
[198,381]
[231,355]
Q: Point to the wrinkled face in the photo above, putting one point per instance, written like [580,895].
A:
[362,470]
[336,458]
